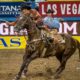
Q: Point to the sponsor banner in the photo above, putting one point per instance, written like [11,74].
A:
[72,28]
[63,0]
[65,9]
[9,30]
[12,42]
[10,10]
[77,38]
[11,0]
[17,42]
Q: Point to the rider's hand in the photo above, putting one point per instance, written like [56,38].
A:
[8,23]
[46,28]
[11,23]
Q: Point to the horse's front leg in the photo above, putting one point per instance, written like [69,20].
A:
[26,61]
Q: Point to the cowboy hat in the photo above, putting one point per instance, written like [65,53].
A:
[49,11]
[25,6]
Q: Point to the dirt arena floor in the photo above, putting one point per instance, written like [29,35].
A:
[39,69]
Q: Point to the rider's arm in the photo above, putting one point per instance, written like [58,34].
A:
[11,23]
[38,16]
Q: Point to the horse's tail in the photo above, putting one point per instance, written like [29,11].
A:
[78,46]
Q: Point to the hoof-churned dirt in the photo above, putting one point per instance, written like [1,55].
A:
[39,69]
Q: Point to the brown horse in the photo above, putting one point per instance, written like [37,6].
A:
[36,46]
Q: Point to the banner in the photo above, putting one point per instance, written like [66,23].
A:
[72,28]
[9,30]
[7,41]
[10,10]
[63,0]
[69,10]
[77,38]
[11,0]
[12,42]
[17,42]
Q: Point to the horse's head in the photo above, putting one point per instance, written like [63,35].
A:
[24,22]
[28,23]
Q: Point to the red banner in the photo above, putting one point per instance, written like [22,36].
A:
[61,9]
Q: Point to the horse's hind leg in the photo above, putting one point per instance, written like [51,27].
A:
[78,46]
[65,57]
[79,52]
[60,69]
[59,57]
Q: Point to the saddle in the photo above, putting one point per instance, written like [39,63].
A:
[50,42]
[51,45]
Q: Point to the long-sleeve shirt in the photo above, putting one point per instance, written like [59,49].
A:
[51,22]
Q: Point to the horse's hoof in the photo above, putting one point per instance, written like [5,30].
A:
[56,77]
[16,78]
[23,76]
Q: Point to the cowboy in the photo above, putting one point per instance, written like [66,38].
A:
[28,11]
[51,25]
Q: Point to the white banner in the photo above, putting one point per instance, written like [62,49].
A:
[9,30]
[65,27]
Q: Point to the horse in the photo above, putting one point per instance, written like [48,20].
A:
[36,45]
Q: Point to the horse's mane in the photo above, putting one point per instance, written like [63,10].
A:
[24,22]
